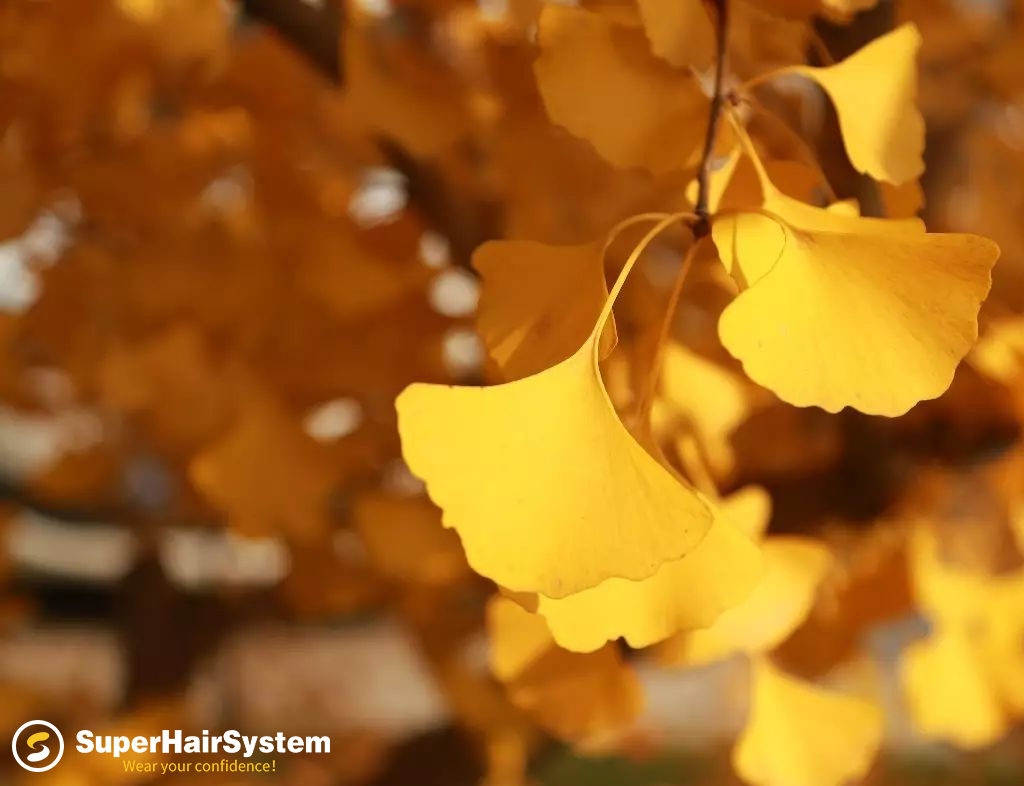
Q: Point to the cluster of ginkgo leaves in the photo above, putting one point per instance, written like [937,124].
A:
[562,492]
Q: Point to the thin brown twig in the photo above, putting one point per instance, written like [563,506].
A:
[704,176]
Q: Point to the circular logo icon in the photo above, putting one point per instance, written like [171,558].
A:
[41,743]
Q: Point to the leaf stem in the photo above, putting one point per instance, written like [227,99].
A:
[658,357]
[664,223]
[704,176]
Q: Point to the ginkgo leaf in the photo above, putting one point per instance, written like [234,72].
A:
[645,114]
[266,474]
[947,593]
[876,322]
[573,695]
[710,400]
[846,326]
[1002,647]
[949,692]
[799,734]
[781,600]
[685,594]
[538,302]
[680,31]
[546,487]
[517,638]
[749,244]
[579,696]
[874,92]
[974,649]
[405,540]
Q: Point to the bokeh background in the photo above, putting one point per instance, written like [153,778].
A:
[232,232]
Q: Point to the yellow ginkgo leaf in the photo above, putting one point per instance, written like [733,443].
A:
[646,113]
[947,593]
[978,630]
[572,695]
[710,400]
[877,322]
[749,244]
[1003,649]
[881,126]
[538,302]
[517,638]
[799,734]
[546,487]
[840,217]
[781,600]
[949,692]
[685,594]
[680,31]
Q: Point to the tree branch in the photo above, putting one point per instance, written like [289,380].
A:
[701,228]
[313,30]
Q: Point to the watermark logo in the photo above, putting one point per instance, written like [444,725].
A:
[37,746]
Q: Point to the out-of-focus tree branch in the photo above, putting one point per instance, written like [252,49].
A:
[312,28]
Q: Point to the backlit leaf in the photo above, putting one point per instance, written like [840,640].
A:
[547,489]
[864,320]
[874,92]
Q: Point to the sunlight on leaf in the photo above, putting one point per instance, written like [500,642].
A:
[546,487]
